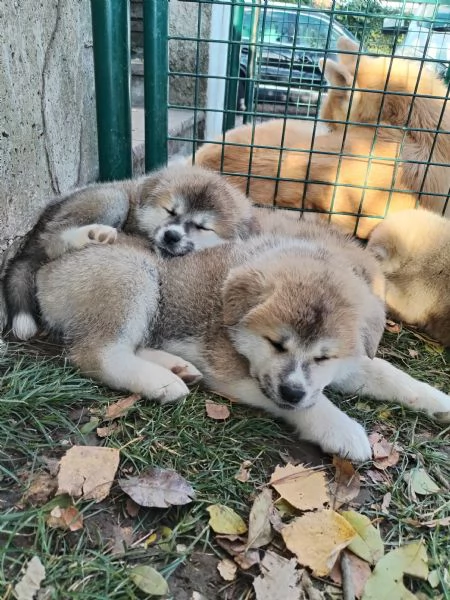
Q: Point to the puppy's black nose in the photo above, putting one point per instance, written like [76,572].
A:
[291,393]
[172,236]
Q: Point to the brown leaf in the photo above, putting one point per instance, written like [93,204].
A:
[413,353]
[42,488]
[259,529]
[121,407]
[236,547]
[227,569]
[377,477]
[159,488]
[360,572]
[303,488]
[88,471]
[216,411]
[103,432]
[132,508]
[244,471]
[316,538]
[279,579]
[123,537]
[384,453]
[65,518]
[442,522]
[347,482]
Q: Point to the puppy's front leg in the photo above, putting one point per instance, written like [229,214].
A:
[383,381]
[335,432]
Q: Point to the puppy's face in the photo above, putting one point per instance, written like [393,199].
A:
[296,327]
[184,208]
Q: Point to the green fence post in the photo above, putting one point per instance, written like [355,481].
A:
[233,67]
[111,36]
[155,82]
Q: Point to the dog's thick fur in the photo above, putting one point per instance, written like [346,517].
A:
[413,249]
[366,179]
[269,321]
[177,210]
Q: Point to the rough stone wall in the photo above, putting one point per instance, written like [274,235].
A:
[47,107]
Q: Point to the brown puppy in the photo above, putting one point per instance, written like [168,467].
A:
[381,169]
[413,249]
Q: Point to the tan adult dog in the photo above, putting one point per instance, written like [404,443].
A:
[377,169]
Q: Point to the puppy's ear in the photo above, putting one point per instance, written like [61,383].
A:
[335,73]
[147,185]
[243,289]
[349,60]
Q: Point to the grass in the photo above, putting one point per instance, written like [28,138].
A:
[45,409]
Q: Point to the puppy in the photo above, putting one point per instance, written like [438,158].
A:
[269,321]
[357,173]
[177,209]
[413,250]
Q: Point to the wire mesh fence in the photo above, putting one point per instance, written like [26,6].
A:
[337,107]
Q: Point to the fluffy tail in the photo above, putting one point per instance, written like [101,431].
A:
[20,293]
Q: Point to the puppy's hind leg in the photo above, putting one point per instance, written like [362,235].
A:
[184,369]
[383,381]
[117,365]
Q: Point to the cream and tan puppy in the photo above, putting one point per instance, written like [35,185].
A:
[178,209]
[268,321]
[384,161]
[413,249]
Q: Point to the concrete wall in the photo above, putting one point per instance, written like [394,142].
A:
[47,107]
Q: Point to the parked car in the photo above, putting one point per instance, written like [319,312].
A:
[290,44]
[430,40]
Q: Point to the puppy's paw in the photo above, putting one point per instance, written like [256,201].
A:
[187,372]
[442,417]
[172,389]
[102,234]
[24,326]
[349,441]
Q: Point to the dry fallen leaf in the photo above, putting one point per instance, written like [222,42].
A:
[259,529]
[31,580]
[359,569]
[386,580]
[347,482]
[378,476]
[42,488]
[216,411]
[384,453]
[159,488]
[316,538]
[303,488]
[367,544]
[279,579]
[88,471]
[224,520]
[227,569]
[68,518]
[103,432]
[421,483]
[244,471]
[123,537]
[386,502]
[149,580]
[121,407]
[132,508]
[443,522]
[236,546]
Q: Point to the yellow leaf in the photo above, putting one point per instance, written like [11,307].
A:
[386,580]
[305,489]
[316,538]
[224,520]
[368,544]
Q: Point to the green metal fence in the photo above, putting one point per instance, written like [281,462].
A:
[264,63]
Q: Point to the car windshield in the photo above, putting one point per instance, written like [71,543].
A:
[441,21]
[279,27]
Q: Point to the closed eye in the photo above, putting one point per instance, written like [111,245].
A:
[321,359]
[203,227]
[171,212]
[278,346]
